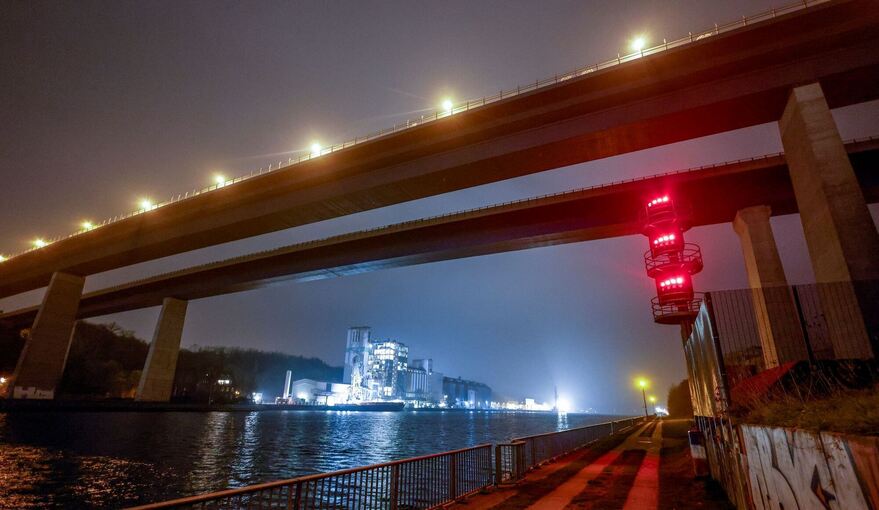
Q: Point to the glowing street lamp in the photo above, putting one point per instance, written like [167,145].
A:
[220,180]
[146,204]
[652,400]
[3,258]
[638,44]
[39,243]
[315,149]
[643,383]
[447,106]
[87,225]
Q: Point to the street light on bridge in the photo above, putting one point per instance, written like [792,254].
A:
[39,243]
[146,204]
[638,44]
[219,179]
[315,149]
[447,106]
[87,225]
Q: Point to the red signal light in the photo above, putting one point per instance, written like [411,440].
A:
[658,200]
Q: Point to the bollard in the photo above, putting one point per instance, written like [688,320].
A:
[698,453]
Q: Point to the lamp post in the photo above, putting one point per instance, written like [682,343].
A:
[642,383]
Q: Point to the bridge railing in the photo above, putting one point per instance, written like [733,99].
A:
[421,482]
[691,37]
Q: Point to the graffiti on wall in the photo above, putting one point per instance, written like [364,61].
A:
[794,469]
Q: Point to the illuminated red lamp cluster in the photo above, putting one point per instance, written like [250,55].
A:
[670,262]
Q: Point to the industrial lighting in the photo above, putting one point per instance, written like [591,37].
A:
[39,243]
[448,106]
[146,204]
[563,405]
[87,225]
[657,201]
[315,149]
[638,43]
[219,179]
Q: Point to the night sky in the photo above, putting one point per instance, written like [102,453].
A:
[104,103]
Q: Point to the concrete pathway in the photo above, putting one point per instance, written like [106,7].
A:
[644,494]
[623,477]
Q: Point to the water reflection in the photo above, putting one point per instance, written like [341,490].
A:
[120,459]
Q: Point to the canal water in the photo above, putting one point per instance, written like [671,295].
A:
[108,460]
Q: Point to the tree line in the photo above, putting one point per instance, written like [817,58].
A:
[105,361]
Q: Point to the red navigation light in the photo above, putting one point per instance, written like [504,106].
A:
[664,240]
[674,288]
[658,200]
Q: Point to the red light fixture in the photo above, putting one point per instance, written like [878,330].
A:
[670,261]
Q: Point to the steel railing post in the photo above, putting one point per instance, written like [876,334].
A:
[497,465]
[453,477]
[395,485]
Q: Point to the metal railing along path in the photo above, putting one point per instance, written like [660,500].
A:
[690,38]
[417,483]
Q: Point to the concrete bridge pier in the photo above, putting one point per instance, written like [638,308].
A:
[840,233]
[778,325]
[157,378]
[41,363]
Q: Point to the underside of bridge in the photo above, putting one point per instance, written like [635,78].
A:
[791,70]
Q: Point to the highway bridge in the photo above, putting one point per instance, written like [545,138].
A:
[715,194]
[719,82]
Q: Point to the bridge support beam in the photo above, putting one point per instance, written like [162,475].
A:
[41,363]
[781,335]
[840,233]
[157,378]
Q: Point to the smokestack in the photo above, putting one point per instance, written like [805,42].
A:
[287,384]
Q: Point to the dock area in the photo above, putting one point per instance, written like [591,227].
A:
[650,468]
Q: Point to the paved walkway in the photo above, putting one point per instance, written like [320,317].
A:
[621,473]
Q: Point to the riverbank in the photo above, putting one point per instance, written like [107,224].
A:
[16,406]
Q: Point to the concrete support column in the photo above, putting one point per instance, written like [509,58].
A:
[41,363]
[157,378]
[778,325]
[842,239]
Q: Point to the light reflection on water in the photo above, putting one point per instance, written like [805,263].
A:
[117,459]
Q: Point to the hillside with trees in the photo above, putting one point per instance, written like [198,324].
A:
[105,361]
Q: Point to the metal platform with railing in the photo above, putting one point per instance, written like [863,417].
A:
[425,482]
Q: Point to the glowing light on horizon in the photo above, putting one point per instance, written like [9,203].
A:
[564,405]
[447,106]
[315,149]
[87,225]
[220,179]
[146,204]
[3,258]
[39,243]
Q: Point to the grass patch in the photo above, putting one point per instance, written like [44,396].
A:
[847,411]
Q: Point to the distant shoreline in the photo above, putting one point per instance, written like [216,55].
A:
[16,406]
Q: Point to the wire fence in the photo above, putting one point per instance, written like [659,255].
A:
[741,333]
[691,37]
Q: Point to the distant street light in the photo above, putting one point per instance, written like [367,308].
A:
[642,383]
[39,243]
[146,204]
[448,106]
[87,225]
[219,179]
[2,258]
[653,403]
[315,149]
